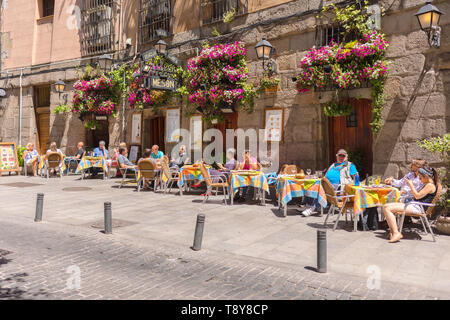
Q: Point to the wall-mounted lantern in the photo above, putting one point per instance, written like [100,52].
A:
[264,51]
[428,17]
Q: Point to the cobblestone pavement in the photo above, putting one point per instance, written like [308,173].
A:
[249,251]
[43,259]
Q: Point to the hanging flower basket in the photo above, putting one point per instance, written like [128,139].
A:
[271,89]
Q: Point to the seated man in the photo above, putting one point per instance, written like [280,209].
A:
[31,157]
[180,160]
[123,161]
[100,151]
[78,155]
[157,155]
[340,173]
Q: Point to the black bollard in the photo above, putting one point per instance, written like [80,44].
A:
[199,232]
[108,218]
[322,251]
[39,206]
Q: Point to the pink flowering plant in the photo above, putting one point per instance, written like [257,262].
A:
[95,93]
[348,64]
[352,64]
[217,77]
[142,98]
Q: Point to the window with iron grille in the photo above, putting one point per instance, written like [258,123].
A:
[326,33]
[97,26]
[155,19]
[213,10]
[48,7]
[352,119]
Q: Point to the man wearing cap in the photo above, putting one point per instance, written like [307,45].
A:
[340,173]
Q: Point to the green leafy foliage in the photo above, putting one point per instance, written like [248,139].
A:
[337,108]
[20,151]
[267,82]
[229,15]
[62,108]
[92,124]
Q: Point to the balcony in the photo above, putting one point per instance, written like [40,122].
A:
[155,19]
[213,10]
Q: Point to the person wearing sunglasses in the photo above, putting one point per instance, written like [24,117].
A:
[339,174]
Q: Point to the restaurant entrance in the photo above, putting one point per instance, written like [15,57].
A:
[154,133]
[231,120]
[354,134]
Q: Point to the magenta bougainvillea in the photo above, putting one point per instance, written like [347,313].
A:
[351,63]
[217,77]
[94,96]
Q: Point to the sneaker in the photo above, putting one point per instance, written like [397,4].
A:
[307,212]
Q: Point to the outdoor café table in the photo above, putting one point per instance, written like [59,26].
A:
[189,173]
[245,178]
[288,187]
[92,162]
[371,196]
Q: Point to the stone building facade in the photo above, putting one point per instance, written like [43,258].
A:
[417,90]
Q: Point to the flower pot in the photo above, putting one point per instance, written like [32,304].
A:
[443,225]
[271,89]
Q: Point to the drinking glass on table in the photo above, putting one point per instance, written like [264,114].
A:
[308,172]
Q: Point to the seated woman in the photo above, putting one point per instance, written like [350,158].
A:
[231,163]
[248,163]
[53,148]
[31,157]
[430,180]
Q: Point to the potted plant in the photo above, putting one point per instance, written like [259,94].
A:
[92,124]
[269,84]
[441,147]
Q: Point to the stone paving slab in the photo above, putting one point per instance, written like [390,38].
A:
[247,231]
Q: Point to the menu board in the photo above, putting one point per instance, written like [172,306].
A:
[8,157]
[274,124]
[133,153]
[196,126]
[136,128]
[173,125]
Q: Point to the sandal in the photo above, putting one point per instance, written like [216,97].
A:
[396,238]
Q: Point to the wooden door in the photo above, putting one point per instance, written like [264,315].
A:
[42,115]
[230,122]
[156,128]
[99,134]
[353,133]
[43,129]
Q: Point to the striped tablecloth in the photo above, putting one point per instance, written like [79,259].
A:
[368,197]
[255,179]
[189,172]
[289,187]
[92,162]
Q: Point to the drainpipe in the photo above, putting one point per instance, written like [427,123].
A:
[20,107]
[123,107]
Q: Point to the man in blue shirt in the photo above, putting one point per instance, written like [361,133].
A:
[339,173]
[101,151]
[155,153]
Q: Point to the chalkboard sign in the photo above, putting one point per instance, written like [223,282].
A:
[8,157]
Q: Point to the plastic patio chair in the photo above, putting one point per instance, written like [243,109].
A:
[338,201]
[54,161]
[210,184]
[423,215]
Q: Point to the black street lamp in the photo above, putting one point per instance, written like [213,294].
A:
[105,62]
[60,86]
[428,17]
[264,51]
[161,47]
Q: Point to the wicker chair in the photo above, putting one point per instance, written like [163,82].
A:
[171,175]
[424,214]
[338,202]
[147,172]
[291,169]
[210,184]
[54,161]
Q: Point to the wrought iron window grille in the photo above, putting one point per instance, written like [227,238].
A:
[98,22]
[155,19]
[213,10]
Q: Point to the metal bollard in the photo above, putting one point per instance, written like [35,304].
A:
[199,232]
[39,206]
[108,218]
[322,251]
